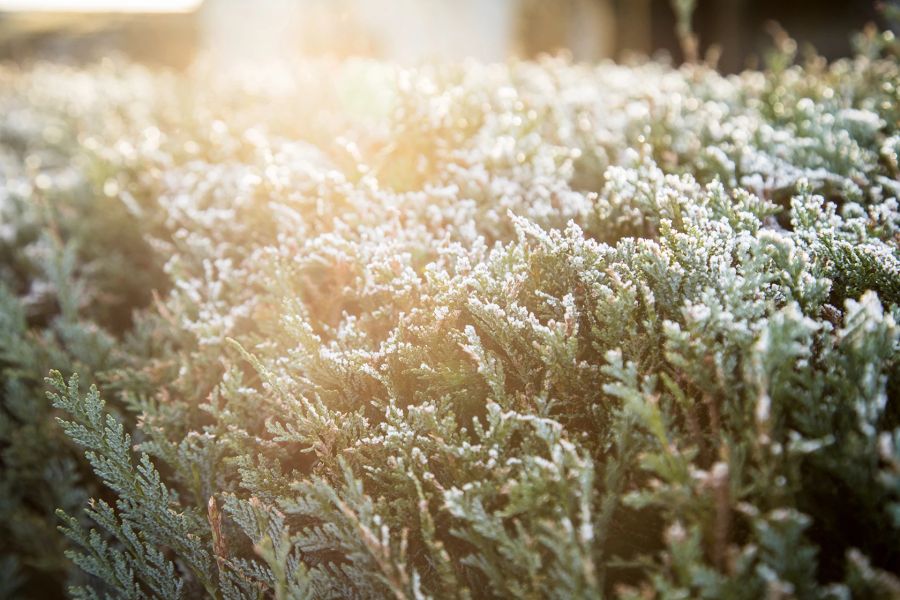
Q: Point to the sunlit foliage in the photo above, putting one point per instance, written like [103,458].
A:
[516,331]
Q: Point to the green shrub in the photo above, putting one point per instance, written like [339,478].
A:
[73,267]
[523,330]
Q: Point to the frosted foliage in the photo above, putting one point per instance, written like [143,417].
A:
[515,331]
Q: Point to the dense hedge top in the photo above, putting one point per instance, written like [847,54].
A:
[526,330]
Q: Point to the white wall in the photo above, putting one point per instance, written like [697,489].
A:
[402,30]
[411,30]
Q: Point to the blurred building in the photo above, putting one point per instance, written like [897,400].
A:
[414,30]
[403,30]
[84,30]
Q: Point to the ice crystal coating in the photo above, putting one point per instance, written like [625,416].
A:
[524,330]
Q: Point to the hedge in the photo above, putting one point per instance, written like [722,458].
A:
[525,330]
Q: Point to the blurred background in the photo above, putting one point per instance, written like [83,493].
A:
[173,32]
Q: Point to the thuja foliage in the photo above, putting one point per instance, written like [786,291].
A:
[73,266]
[513,331]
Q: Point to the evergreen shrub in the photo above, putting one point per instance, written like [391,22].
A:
[533,330]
